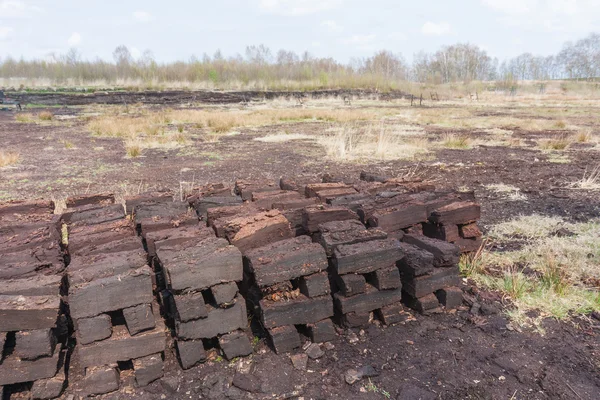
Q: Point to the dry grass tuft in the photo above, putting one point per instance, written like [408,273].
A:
[583,136]
[561,142]
[8,158]
[452,141]
[24,118]
[133,148]
[46,116]
[590,180]
[511,193]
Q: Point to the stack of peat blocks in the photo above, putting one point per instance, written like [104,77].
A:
[197,275]
[116,320]
[33,328]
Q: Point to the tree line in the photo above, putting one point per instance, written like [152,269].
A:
[259,66]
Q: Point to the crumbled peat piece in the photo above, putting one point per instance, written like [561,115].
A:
[456,213]
[148,369]
[351,284]
[265,200]
[396,217]
[93,215]
[426,284]
[416,261]
[203,204]
[190,352]
[245,189]
[235,344]
[321,331]
[284,338]
[28,312]
[154,197]
[353,202]
[87,200]
[280,291]
[385,278]
[210,262]
[93,329]
[469,231]
[314,285]
[450,297]
[423,304]
[371,177]
[88,299]
[257,230]
[328,195]
[302,310]
[33,344]
[315,189]
[392,314]
[100,380]
[219,321]
[449,233]
[285,260]
[314,216]
[366,302]
[444,254]
[176,236]
[336,233]
[366,257]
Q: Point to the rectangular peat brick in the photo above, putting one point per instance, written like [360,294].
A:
[469,231]
[154,197]
[366,302]
[48,388]
[218,321]
[314,285]
[366,257]
[385,278]
[295,217]
[190,306]
[444,254]
[15,370]
[89,330]
[190,352]
[224,293]
[416,261]
[210,262]
[235,344]
[327,195]
[291,204]
[257,230]
[139,318]
[457,213]
[373,177]
[88,299]
[469,245]
[398,217]
[26,263]
[427,284]
[314,216]
[265,200]
[21,237]
[351,284]
[93,215]
[392,314]
[355,320]
[321,331]
[123,347]
[176,236]
[301,310]
[247,188]
[20,210]
[100,380]
[449,233]
[38,285]
[313,189]
[423,304]
[336,233]
[203,204]
[148,369]
[28,312]
[33,344]
[115,246]
[450,297]
[284,338]
[285,260]
[83,269]
[87,200]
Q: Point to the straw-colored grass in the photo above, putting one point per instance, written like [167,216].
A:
[8,158]
[45,116]
[590,180]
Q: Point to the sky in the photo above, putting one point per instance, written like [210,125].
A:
[341,29]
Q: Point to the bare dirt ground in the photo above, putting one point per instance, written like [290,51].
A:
[461,355]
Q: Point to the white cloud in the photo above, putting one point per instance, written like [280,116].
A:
[400,36]
[570,16]
[436,29]
[74,39]
[17,9]
[6,32]
[297,7]
[332,26]
[143,16]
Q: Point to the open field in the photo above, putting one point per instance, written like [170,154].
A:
[534,164]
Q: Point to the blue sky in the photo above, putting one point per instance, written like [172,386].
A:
[338,28]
